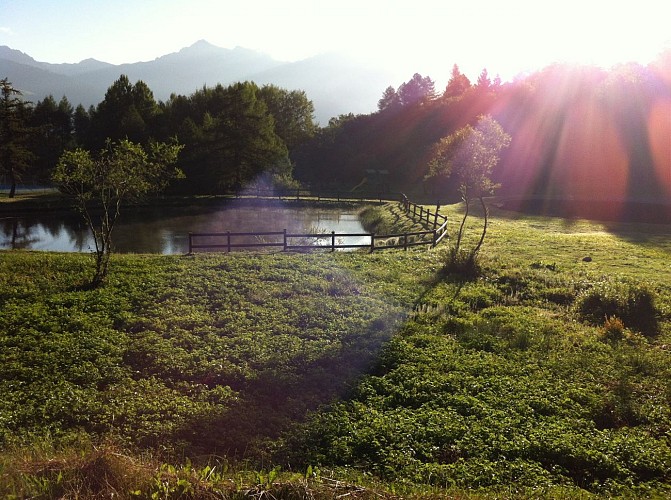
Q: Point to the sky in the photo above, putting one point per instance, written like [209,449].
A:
[508,37]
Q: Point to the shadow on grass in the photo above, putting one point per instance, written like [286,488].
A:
[633,221]
[276,398]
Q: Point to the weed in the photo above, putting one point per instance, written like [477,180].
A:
[613,329]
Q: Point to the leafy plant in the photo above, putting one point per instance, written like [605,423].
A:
[634,304]
[121,173]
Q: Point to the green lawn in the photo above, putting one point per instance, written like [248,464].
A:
[378,369]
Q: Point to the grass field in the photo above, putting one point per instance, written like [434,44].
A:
[321,375]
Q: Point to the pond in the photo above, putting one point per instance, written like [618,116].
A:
[165,230]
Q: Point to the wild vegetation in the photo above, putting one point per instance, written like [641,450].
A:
[544,372]
[375,374]
[243,134]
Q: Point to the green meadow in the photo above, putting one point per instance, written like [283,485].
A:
[345,375]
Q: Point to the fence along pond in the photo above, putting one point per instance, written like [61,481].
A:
[328,241]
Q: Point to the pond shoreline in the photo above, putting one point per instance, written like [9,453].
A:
[165,228]
[50,203]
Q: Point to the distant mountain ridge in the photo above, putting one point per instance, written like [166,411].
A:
[335,84]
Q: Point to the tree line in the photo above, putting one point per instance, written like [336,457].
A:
[231,136]
[576,131]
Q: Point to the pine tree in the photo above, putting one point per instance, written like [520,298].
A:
[15,156]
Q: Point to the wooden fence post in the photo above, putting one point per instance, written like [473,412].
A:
[228,241]
[333,241]
[190,243]
[435,237]
[285,240]
[372,242]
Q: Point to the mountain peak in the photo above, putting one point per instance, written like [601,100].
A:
[16,55]
[201,46]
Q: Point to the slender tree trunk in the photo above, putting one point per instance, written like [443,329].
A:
[463,224]
[485,211]
[12,183]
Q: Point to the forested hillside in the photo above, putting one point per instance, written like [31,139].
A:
[578,133]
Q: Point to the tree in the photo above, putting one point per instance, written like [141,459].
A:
[15,156]
[483,83]
[470,154]
[82,125]
[458,83]
[243,143]
[416,90]
[121,173]
[389,99]
[293,113]
[127,111]
[53,133]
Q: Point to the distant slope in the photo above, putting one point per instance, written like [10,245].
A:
[335,84]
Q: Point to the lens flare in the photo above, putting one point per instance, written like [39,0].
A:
[659,136]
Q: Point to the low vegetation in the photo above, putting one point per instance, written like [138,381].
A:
[323,375]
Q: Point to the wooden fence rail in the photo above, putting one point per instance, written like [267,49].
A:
[328,241]
[312,195]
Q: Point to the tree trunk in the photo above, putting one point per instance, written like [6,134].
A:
[12,183]
[467,201]
[485,211]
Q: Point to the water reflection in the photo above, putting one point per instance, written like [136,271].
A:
[165,230]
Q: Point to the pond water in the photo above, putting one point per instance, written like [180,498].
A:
[165,230]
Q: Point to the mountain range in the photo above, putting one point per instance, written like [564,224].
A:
[335,84]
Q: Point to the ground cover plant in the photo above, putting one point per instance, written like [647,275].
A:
[516,379]
[418,383]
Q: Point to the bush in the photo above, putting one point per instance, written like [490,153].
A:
[613,329]
[634,304]
[463,264]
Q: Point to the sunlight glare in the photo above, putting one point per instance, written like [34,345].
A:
[659,136]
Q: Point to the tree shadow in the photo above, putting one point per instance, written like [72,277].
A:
[278,398]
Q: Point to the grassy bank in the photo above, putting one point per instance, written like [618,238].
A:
[356,374]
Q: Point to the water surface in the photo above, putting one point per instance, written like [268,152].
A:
[165,230]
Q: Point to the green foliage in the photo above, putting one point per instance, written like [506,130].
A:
[492,383]
[470,154]
[15,155]
[490,387]
[233,138]
[174,347]
[128,111]
[122,173]
[633,304]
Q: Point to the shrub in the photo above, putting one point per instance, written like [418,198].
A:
[613,329]
[634,304]
[463,264]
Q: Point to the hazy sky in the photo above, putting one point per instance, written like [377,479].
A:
[505,36]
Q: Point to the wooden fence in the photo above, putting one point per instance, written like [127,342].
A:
[314,195]
[328,241]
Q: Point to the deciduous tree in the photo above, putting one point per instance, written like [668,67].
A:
[123,172]
[470,154]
